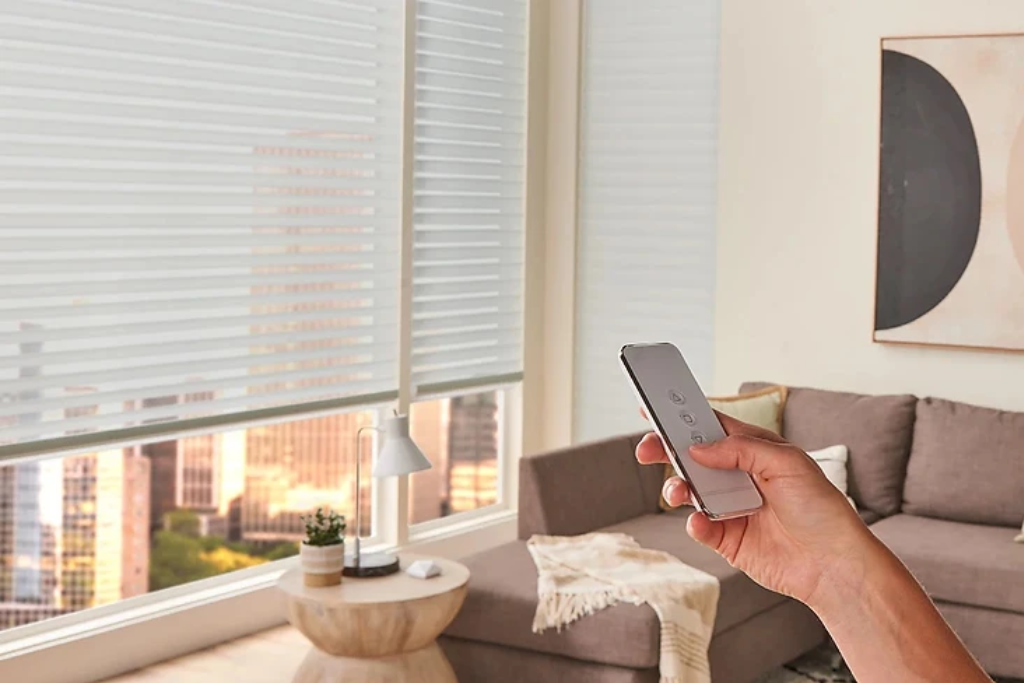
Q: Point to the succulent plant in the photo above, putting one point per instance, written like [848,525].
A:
[324,529]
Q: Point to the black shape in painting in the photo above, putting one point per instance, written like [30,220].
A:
[929,209]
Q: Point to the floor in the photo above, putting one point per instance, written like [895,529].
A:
[268,657]
[274,655]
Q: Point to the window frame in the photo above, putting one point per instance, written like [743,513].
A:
[246,601]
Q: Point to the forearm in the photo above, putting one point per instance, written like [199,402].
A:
[886,626]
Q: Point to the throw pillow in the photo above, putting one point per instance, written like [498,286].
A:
[832,461]
[761,408]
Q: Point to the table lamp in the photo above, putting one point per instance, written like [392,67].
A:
[398,455]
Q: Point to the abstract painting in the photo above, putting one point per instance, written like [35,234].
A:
[950,267]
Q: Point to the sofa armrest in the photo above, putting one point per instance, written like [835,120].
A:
[582,488]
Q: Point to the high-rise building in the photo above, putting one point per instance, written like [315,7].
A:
[428,489]
[103,554]
[473,437]
[460,436]
[135,525]
[30,561]
[74,532]
[83,542]
[203,473]
[163,470]
[296,467]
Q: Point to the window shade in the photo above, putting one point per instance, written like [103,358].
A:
[646,240]
[199,209]
[468,193]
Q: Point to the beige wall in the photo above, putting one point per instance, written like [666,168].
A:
[798,192]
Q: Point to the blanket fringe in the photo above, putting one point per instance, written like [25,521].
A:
[556,610]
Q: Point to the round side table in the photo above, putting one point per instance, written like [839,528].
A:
[376,630]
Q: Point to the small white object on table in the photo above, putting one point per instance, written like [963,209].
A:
[424,569]
[377,629]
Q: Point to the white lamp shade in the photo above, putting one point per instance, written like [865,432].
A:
[399,454]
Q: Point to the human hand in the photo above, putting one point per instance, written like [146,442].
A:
[805,529]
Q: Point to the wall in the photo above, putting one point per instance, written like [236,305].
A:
[798,174]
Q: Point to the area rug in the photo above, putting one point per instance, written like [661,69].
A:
[823,665]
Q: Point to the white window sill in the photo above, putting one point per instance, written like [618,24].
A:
[111,640]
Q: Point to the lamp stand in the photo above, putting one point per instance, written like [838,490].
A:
[375,564]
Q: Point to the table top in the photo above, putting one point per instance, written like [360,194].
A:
[398,587]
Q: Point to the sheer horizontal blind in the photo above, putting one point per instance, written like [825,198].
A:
[646,239]
[199,210]
[468,193]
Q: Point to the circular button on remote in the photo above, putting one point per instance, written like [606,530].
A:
[676,397]
[688,418]
[697,437]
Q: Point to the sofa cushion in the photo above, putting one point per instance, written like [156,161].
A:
[968,564]
[966,464]
[869,516]
[876,429]
[502,600]
[651,478]
[558,489]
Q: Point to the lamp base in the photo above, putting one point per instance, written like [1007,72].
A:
[371,565]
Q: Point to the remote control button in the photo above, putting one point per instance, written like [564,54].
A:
[688,418]
[676,398]
[697,437]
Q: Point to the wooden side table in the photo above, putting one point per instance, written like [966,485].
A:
[379,630]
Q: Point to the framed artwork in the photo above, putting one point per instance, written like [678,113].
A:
[950,268]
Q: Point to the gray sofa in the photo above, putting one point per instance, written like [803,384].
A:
[941,483]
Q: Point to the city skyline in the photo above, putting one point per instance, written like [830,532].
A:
[92,529]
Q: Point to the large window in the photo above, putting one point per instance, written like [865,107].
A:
[214,268]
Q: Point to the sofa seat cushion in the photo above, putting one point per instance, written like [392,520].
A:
[876,429]
[967,564]
[502,600]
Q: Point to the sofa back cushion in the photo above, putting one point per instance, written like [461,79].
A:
[966,465]
[876,429]
[582,488]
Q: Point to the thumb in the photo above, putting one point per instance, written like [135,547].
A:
[765,459]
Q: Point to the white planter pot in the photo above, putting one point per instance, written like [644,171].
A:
[322,565]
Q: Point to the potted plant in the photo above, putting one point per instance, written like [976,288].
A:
[323,550]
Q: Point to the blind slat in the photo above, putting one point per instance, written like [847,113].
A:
[106,331]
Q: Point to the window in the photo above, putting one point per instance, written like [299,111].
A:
[202,226]
[462,438]
[90,529]
[645,265]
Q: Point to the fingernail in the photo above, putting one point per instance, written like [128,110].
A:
[669,487]
[700,446]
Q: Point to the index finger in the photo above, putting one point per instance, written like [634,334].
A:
[650,450]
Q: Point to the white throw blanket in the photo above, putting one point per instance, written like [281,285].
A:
[578,575]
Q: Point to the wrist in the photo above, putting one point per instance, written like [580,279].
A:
[849,576]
